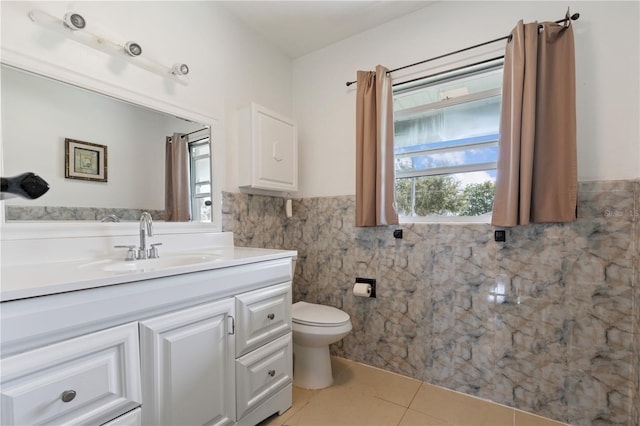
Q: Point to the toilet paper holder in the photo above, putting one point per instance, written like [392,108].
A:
[370,281]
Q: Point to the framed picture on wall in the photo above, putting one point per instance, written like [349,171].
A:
[85,160]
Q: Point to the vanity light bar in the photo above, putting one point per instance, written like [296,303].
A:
[74,26]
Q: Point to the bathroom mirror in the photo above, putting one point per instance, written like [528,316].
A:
[39,114]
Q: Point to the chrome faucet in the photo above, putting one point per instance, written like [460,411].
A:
[146,228]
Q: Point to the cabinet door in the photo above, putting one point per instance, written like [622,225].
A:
[276,151]
[188,366]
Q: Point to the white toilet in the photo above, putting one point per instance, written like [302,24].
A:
[315,327]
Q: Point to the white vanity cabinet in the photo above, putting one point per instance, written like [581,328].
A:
[211,347]
[268,150]
[86,380]
[187,366]
[217,362]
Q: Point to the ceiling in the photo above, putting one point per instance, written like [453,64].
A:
[300,27]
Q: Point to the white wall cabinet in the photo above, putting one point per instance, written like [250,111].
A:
[268,150]
[187,366]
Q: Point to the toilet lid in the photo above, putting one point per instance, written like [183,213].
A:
[314,314]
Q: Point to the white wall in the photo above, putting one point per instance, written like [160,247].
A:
[230,66]
[607,69]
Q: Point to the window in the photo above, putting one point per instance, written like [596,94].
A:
[200,176]
[446,142]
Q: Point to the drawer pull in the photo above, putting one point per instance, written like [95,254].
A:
[272,373]
[68,395]
[271,316]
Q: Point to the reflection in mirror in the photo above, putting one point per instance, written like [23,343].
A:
[39,113]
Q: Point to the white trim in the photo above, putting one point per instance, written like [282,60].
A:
[448,102]
[68,75]
[26,62]
[439,150]
[439,171]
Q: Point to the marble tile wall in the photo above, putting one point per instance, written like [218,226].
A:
[75,213]
[547,322]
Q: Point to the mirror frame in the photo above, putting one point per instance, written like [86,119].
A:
[11,230]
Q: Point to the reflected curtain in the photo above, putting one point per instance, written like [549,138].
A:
[375,176]
[537,167]
[177,178]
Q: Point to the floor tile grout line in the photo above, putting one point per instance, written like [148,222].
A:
[415,394]
[403,415]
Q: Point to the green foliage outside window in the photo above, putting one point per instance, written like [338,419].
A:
[443,195]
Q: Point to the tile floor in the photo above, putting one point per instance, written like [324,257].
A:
[367,396]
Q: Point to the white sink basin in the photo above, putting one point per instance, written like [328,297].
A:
[169,261]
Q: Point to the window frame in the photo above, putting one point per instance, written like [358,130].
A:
[194,196]
[436,79]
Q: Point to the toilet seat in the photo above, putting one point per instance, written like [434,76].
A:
[316,315]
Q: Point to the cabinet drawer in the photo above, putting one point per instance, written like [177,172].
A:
[132,418]
[261,373]
[262,315]
[89,379]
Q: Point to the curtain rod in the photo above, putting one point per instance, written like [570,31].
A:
[187,134]
[573,17]
[195,131]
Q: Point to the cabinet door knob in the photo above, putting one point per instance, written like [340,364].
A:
[272,373]
[271,316]
[68,395]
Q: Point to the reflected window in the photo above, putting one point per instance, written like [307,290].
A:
[200,175]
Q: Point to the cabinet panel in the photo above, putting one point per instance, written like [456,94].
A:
[261,373]
[262,316]
[89,379]
[187,367]
[269,150]
[275,151]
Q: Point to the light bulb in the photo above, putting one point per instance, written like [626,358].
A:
[180,69]
[74,21]
[132,48]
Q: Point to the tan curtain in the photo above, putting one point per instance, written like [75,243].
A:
[375,177]
[537,167]
[177,178]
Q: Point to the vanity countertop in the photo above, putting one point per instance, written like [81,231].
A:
[33,280]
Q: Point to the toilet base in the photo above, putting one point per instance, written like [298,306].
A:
[312,367]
